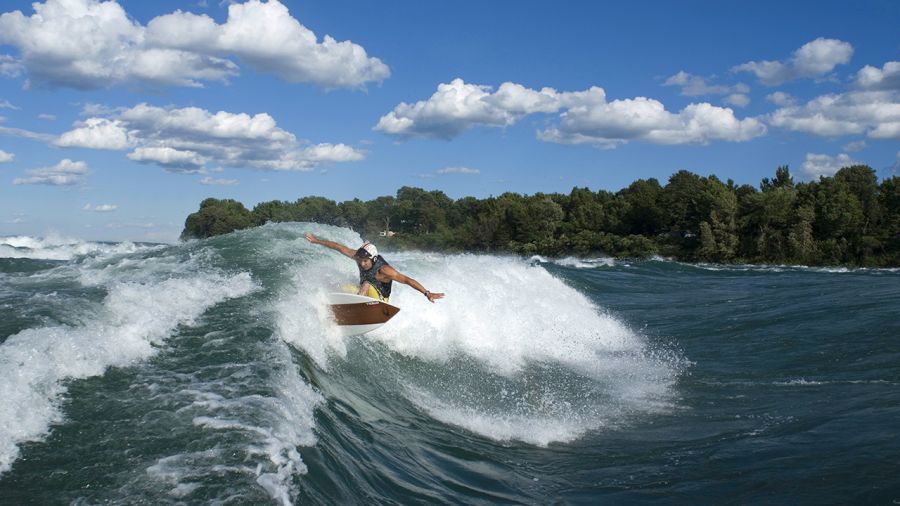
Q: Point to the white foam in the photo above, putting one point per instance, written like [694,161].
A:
[57,247]
[131,322]
[504,316]
[500,311]
[506,426]
[576,262]
[273,426]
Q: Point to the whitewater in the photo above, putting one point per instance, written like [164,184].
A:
[210,372]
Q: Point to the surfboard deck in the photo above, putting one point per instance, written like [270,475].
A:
[358,314]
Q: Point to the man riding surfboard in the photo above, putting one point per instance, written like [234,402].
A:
[376,276]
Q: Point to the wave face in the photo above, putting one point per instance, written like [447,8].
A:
[210,372]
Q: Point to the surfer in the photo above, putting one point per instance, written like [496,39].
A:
[375,275]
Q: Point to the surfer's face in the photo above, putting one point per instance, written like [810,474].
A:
[365,263]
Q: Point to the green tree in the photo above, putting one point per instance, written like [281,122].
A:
[644,214]
[216,217]
[353,214]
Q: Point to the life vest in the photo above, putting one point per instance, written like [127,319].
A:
[383,287]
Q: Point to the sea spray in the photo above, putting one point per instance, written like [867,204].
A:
[511,352]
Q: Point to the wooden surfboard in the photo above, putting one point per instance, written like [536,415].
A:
[358,314]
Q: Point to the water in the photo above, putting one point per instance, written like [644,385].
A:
[208,373]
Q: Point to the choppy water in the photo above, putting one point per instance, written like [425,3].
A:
[208,373]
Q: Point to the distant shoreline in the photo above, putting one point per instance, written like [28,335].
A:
[847,220]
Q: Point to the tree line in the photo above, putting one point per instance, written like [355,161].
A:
[847,219]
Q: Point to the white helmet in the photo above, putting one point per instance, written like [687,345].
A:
[367,250]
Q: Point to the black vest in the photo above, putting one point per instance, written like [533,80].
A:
[383,288]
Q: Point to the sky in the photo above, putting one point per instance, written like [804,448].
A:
[118,118]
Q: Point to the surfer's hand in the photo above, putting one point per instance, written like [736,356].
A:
[311,238]
[432,296]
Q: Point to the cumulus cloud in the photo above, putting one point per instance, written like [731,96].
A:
[813,59]
[694,86]
[874,113]
[218,182]
[588,116]
[187,139]
[104,47]
[817,165]
[781,99]
[885,78]
[455,107]
[171,158]
[64,173]
[737,100]
[608,124]
[458,170]
[6,157]
[96,133]
[100,208]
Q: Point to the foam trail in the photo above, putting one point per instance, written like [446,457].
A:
[578,263]
[56,247]
[132,320]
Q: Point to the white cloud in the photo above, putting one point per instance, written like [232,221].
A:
[186,139]
[64,173]
[608,124]
[588,117]
[813,59]
[331,153]
[5,104]
[854,146]
[885,78]
[26,134]
[458,170]
[452,109]
[817,165]
[737,100]
[781,99]
[100,208]
[105,47]
[10,66]
[874,113]
[218,182]
[96,133]
[693,86]
[168,157]
[47,117]
[6,157]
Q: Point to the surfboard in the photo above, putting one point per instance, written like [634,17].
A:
[358,314]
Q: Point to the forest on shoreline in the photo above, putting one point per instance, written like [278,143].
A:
[846,219]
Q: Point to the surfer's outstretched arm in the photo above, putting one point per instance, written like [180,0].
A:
[331,244]
[392,273]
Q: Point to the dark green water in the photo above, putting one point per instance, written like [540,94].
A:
[208,373]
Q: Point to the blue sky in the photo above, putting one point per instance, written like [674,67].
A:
[117,119]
